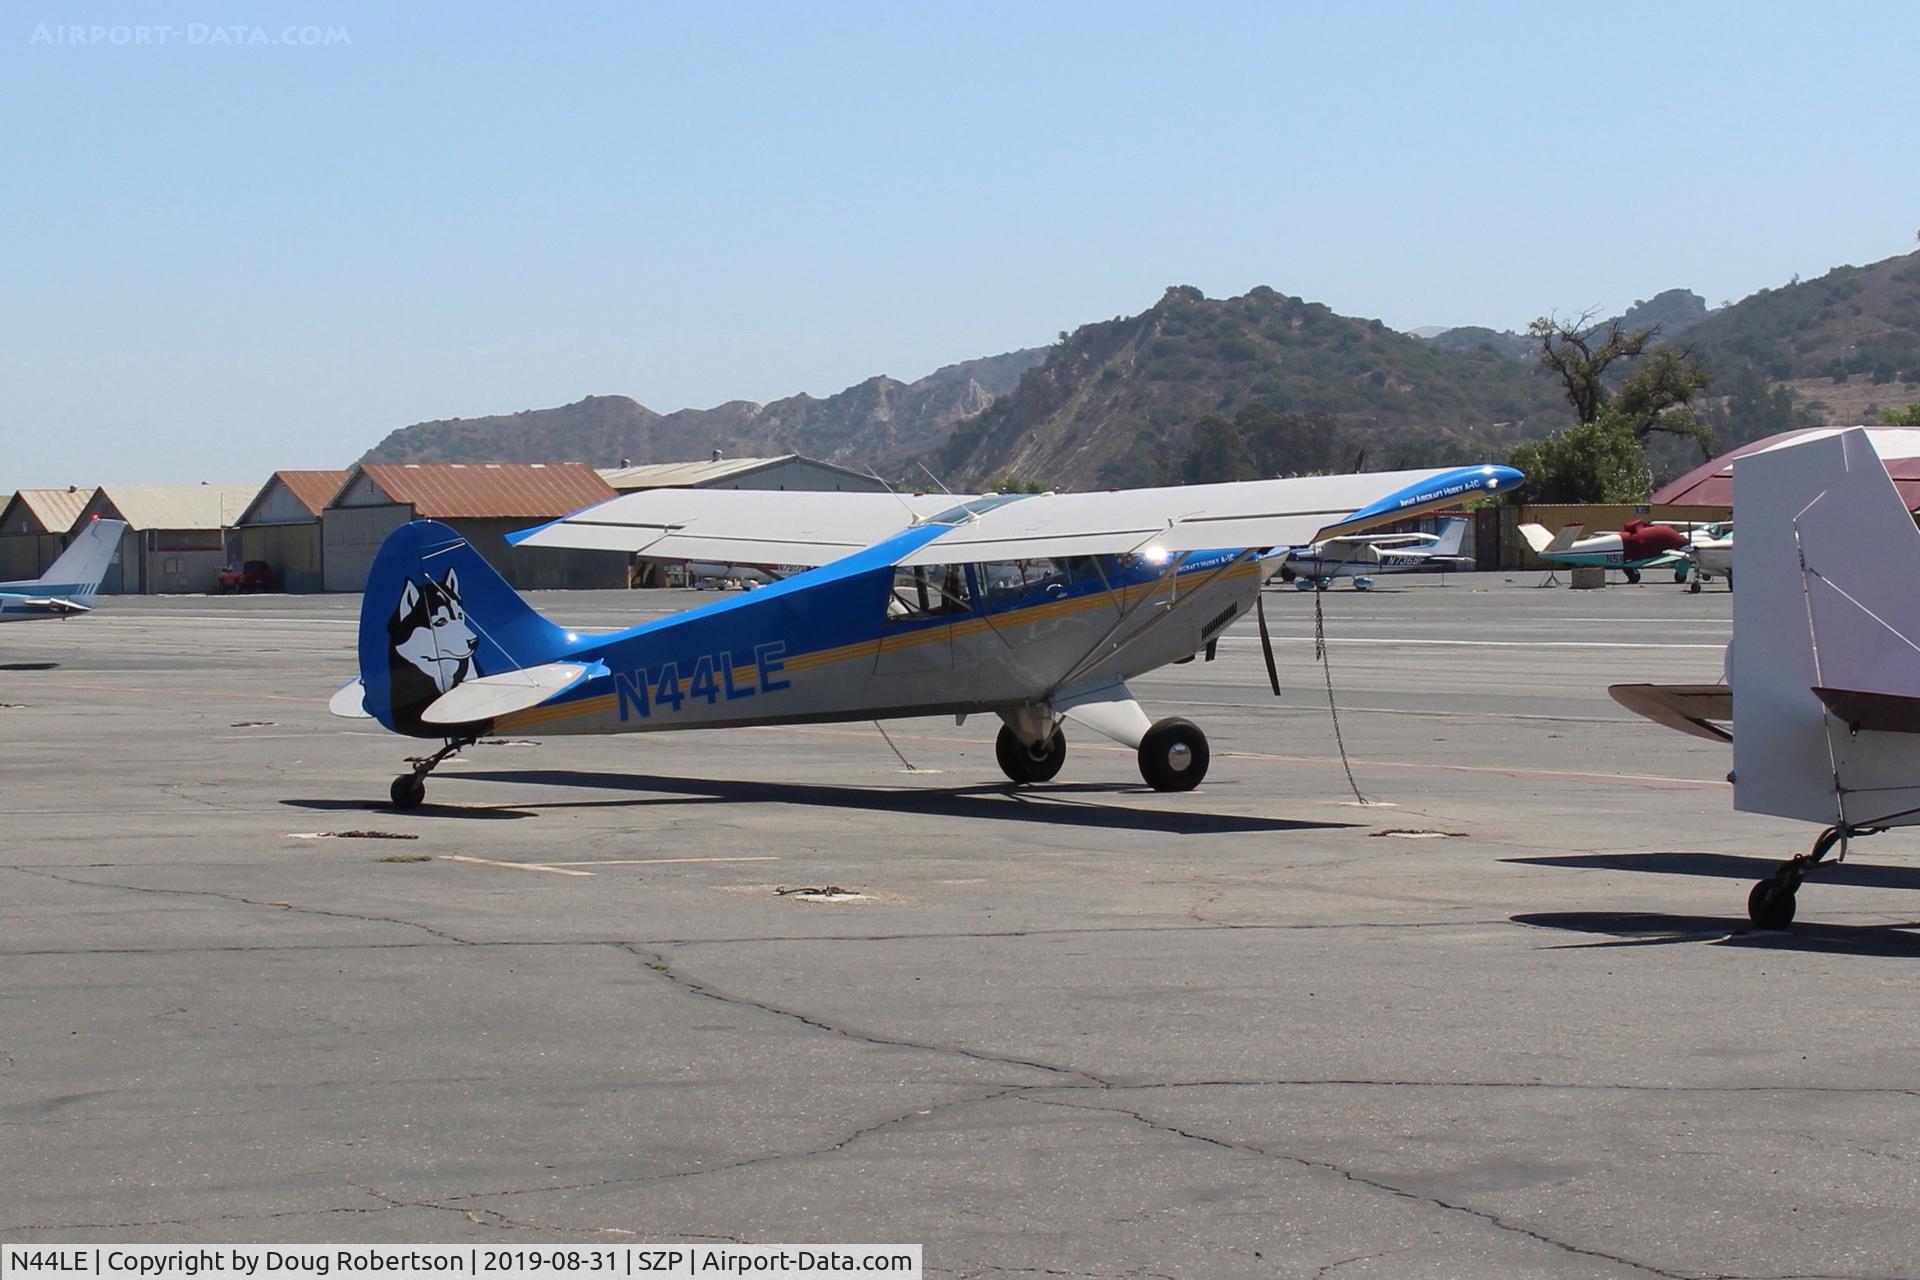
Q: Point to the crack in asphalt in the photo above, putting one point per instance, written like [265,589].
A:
[251,902]
[748,1162]
[1069,1080]
[657,962]
[1361,1180]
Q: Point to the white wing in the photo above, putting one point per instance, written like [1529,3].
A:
[755,527]
[743,526]
[1201,517]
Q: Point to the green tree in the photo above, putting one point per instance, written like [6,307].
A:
[1216,452]
[1599,461]
[1279,444]
[1907,417]
[1655,397]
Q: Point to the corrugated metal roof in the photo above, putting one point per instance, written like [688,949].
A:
[313,489]
[54,509]
[1711,483]
[178,506]
[479,491]
[684,475]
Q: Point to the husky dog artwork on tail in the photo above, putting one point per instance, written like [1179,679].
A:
[430,646]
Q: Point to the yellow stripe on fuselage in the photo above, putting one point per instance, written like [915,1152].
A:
[1050,611]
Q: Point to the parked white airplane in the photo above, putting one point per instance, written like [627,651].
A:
[1710,551]
[70,582]
[1825,660]
[1360,556]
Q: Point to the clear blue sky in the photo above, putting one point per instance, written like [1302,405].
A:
[225,258]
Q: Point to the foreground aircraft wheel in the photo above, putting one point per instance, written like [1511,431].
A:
[1770,905]
[407,791]
[1633,575]
[1022,763]
[1174,755]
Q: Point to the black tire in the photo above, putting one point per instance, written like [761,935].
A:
[1770,905]
[1693,588]
[407,791]
[1174,755]
[1633,575]
[1022,763]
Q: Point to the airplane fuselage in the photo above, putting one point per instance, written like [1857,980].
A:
[861,639]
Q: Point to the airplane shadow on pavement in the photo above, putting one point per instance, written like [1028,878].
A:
[1653,929]
[1645,929]
[1864,875]
[1055,805]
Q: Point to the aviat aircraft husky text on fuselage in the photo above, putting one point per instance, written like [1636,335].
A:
[1031,607]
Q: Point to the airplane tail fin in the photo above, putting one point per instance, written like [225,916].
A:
[77,573]
[435,614]
[1826,656]
[1452,534]
[1544,543]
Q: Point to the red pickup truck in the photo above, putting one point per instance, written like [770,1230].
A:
[246,575]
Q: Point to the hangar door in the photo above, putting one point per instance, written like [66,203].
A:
[353,536]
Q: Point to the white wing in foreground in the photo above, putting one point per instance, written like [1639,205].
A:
[1204,517]
[745,526]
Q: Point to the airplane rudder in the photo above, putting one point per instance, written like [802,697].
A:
[435,613]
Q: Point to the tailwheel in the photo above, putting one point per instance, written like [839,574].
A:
[1023,763]
[1770,905]
[409,789]
[1174,755]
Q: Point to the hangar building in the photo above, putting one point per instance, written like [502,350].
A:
[176,536]
[35,527]
[484,501]
[281,526]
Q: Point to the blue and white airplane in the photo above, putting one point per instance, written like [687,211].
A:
[70,582]
[1034,608]
[1360,556]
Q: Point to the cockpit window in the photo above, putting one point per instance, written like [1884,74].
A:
[928,591]
[1005,579]
[972,507]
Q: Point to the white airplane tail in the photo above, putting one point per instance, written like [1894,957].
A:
[1826,660]
[77,573]
[1452,534]
[1544,543]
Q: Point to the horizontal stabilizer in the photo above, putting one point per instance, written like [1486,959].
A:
[351,701]
[1886,712]
[490,697]
[45,605]
[1690,708]
[1546,544]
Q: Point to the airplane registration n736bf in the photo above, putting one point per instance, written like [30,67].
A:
[1036,608]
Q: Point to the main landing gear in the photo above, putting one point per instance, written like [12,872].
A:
[1037,763]
[1173,755]
[409,789]
[1771,902]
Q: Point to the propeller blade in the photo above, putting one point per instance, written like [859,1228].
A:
[1266,643]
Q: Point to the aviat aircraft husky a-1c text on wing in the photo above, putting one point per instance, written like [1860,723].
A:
[1032,607]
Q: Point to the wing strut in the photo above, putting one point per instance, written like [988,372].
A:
[1266,641]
